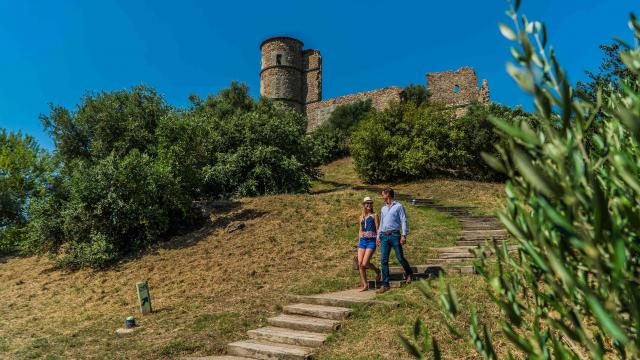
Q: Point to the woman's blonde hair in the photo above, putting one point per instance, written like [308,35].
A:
[364,210]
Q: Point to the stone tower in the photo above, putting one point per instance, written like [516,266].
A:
[290,75]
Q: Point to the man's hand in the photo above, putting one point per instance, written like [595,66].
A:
[378,241]
[403,240]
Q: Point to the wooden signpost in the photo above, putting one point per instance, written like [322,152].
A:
[143,297]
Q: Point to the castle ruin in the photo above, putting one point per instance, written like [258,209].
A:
[292,76]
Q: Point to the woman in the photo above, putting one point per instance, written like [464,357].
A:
[367,232]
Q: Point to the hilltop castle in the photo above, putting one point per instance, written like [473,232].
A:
[292,76]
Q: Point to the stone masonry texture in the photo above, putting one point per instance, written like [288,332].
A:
[318,112]
[292,76]
[456,88]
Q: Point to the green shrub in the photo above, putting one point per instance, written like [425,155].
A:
[332,138]
[417,94]
[408,141]
[265,151]
[132,167]
[572,290]
[112,208]
[24,174]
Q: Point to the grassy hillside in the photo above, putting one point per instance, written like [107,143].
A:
[210,286]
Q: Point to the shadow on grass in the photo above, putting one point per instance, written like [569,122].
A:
[228,214]
[336,187]
[6,256]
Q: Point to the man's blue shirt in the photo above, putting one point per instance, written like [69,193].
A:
[393,218]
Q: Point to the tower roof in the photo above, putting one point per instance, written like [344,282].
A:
[280,38]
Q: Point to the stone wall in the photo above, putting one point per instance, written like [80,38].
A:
[456,88]
[312,76]
[318,112]
[292,77]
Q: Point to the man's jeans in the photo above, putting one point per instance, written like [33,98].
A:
[386,243]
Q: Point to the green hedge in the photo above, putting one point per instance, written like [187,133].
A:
[332,139]
[131,168]
[410,141]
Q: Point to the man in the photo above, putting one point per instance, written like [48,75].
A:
[392,234]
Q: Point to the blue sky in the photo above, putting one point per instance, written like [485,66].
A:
[55,52]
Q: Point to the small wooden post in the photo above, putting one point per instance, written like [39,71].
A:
[143,297]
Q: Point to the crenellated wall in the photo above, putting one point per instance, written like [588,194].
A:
[318,112]
[457,88]
[292,76]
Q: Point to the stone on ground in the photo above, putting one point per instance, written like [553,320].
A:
[298,322]
[288,336]
[260,349]
[344,298]
[321,311]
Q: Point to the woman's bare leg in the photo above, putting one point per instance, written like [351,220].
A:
[373,267]
[363,275]
[363,267]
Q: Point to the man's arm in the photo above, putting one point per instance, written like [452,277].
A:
[379,226]
[403,220]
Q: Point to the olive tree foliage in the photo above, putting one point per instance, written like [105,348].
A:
[572,291]
[24,175]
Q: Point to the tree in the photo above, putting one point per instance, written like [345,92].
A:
[417,94]
[572,291]
[133,167]
[610,73]
[24,173]
[332,139]
[409,141]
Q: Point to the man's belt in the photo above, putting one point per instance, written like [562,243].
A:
[391,232]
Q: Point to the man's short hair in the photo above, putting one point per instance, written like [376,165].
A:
[389,191]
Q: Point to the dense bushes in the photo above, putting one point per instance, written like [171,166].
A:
[24,173]
[131,167]
[331,140]
[410,141]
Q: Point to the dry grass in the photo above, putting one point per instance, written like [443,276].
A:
[372,333]
[210,286]
[486,196]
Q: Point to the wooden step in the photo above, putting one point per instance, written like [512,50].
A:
[469,227]
[456,255]
[346,298]
[217,357]
[467,220]
[321,311]
[305,323]
[480,218]
[480,236]
[260,349]
[475,243]
[486,232]
[448,262]
[436,266]
[465,249]
[288,336]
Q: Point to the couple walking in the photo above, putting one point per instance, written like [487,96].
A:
[389,231]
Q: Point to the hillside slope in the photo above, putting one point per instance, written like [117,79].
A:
[210,286]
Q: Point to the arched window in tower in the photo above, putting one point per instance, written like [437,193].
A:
[456,88]
[279,59]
